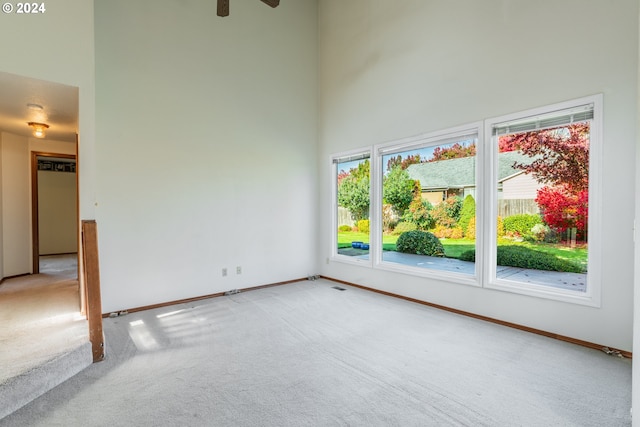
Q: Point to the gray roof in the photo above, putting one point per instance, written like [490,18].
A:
[460,173]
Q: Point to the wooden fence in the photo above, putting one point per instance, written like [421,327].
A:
[508,207]
[344,217]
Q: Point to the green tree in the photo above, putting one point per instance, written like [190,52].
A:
[353,191]
[467,212]
[397,190]
[419,211]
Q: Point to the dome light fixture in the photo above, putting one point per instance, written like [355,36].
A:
[38,129]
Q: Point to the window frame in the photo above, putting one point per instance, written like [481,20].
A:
[430,139]
[335,159]
[486,205]
[592,296]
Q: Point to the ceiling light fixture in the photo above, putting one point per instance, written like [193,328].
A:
[38,129]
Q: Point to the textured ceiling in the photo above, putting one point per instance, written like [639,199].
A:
[59,102]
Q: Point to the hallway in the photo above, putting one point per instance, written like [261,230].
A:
[40,316]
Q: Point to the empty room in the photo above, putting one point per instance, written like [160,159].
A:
[325,212]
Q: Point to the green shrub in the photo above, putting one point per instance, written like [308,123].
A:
[344,228]
[537,233]
[420,242]
[469,255]
[419,213]
[542,233]
[523,257]
[552,236]
[363,226]
[521,224]
[520,256]
[447,213]
[403,227]
[467,212]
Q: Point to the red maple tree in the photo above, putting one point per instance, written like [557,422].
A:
[561,155]
[561,160]
[455,151]
[562,208]
[403,163]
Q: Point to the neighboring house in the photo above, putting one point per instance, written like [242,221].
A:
[457,177]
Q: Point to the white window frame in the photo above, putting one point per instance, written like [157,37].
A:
[592,296]
[406,144]
[486,206]
[335,256]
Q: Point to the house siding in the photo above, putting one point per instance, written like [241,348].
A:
[521,186]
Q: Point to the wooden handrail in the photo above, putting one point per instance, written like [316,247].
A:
[91,281]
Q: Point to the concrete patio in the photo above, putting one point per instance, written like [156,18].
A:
[555,279]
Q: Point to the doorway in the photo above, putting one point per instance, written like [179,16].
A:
[54,202]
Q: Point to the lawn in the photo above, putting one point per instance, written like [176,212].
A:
[454,247]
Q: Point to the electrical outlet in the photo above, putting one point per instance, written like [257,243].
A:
[224,272]
[238,270]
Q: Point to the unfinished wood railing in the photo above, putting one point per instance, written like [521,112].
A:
[93,302]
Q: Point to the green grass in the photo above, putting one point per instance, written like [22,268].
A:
[346,237]
[454,247]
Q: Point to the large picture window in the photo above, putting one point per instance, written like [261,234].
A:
[428,209]
[352,175]
[507,204]
[542,192]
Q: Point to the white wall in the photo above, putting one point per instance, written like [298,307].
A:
[207,147]
[57,212]
[65,34]
[15,169]
[390,70]
[636,297]
[16,203]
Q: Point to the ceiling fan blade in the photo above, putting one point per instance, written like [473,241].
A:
[223,7]
[272,3]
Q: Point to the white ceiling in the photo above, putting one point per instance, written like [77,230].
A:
[59,102]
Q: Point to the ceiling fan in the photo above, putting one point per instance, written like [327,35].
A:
[223,6]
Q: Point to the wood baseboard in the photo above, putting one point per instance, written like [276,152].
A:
[588,344]
[199,298]
[582,343]
[60,254]
[13,277]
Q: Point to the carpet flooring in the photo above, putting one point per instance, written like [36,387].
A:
[307,354]
[40,316]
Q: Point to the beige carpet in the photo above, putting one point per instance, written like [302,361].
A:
[40,316]
[306,354]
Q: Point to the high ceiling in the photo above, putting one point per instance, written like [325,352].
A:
[19,100]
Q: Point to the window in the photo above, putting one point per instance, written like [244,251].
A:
[545,164]
[507,204]
[352,206]
[428,203]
